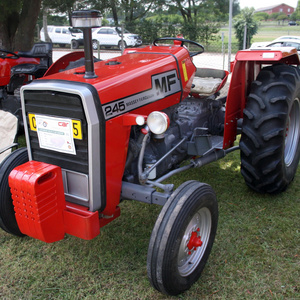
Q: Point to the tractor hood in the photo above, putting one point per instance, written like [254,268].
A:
[135,79]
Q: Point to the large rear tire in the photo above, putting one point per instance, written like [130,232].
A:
[270,141]
[7,215]
[182,238]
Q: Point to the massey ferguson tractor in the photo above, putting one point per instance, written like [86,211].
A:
[117,129]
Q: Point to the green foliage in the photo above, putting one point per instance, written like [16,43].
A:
[205,32]
[148,29]
[274,16]
[261,16]
[282,16]
[298,7]
[105,22]
[245,19]
[296,14]
[8,7]
[53,20]
[163,25]
[152,28]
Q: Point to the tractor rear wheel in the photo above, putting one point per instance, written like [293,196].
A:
[182,238]
[270,141]
[7,215]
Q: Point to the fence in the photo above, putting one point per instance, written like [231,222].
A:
[215,55]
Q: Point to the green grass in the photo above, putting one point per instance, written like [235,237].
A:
[256,254]
[267,32]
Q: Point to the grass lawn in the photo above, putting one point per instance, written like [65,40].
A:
[256,254]
[266,32]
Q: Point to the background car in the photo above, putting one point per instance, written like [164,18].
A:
[286,43]
[287,37]
[292,23]
[63,35]
[111,37]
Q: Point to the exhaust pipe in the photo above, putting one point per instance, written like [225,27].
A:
[86,20]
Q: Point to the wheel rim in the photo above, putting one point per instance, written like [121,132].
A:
[292,133]
[194,242]
[95,45]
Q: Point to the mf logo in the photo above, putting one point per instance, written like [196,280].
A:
[163,85]
[166,83]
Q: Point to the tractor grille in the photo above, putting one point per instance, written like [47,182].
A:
[83,172]
[58,104]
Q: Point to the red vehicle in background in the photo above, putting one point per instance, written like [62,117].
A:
[19,68]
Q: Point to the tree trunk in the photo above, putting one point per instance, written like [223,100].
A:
[8,26]
[45,25]
[24,37]
[114,12]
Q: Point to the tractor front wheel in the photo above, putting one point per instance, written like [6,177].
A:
[182,238]
[270,141]
[7,215]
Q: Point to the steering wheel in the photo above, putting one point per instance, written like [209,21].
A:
[182,43]
[5,54]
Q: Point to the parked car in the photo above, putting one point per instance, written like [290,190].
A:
[257,45]
[111,37]
[292,23]
[295,43]
[287,37]
[281,38]
[63,35]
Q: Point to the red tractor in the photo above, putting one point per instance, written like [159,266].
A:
[19,68]
[117,129]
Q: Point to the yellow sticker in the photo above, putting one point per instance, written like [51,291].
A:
[77,132]
[32,122]
[186,78]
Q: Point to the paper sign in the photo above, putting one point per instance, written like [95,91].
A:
[55,134]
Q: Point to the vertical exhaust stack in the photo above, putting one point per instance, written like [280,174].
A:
[86,20]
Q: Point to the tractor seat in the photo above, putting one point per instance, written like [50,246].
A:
[43,51]
[208,81]
[40,50]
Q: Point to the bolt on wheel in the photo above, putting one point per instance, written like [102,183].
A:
[194,242]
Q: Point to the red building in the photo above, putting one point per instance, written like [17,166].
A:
[288,10]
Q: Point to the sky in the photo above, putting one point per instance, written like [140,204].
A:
[265,3]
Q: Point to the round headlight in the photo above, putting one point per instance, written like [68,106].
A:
[158,122]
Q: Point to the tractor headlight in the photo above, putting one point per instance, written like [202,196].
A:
[158,122]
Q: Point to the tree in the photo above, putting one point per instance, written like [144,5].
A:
[17,23]
[245,20]
[127,10]
[261,16]
[274,16]
[45,23]
[281,17]
[296,14]
[298,7]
